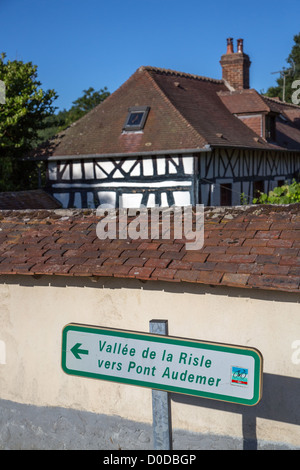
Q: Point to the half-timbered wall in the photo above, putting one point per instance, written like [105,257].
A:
[244,170]
[124,182]
[209,178]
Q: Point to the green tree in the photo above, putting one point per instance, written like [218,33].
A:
[288,74]
[22,116]
[85,103]
[81,106]
[286,194]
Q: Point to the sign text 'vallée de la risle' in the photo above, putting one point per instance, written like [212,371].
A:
[209,370]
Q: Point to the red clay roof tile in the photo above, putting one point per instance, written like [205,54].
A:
[247,247]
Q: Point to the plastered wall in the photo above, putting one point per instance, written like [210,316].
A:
[33,313]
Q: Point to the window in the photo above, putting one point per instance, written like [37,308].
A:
[258,187]
[270,127]
[136,118]
[225,195]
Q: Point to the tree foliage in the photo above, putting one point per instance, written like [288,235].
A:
[27,119]
[84,104]
[22,116]
[292,72]
[81,106]
[286,194]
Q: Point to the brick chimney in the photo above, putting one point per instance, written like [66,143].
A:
[235,66]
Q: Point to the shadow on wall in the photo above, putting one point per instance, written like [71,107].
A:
[281,394]
[280,402]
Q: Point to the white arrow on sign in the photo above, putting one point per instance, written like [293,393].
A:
[210,370]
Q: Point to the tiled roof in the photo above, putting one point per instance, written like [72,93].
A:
[186,112]
[251,102]
[198,102]
[100,131]
[176,73]
[244,101]
[292,111]
[247,247]
[31,199]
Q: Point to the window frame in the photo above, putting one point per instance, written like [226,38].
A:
[136,109]
[270,127]
[225,194]
[258,187]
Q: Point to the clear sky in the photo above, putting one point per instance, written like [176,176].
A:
[78,44]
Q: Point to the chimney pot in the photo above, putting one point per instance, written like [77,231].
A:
[229,46]
[240,45]
[236,66]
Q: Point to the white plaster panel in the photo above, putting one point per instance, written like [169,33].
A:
[161,165]
[52,169]
[77,171]
[89,170]
[148,167]
[188,165]
[182,198]
[130,200]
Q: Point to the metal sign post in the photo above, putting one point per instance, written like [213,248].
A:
[161,406]
[165,364]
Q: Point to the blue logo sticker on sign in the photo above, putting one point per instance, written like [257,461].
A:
[239,376]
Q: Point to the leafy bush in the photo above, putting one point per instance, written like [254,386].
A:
[286,194]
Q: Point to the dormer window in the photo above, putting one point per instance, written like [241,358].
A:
[136,118]
[270,127]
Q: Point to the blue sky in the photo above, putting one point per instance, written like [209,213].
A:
[78,44]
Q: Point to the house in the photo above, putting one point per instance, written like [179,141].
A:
[167,137]
[241,288]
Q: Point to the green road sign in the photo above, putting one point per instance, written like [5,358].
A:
[209,370]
